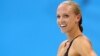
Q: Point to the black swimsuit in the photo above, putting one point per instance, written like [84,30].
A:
[66,54]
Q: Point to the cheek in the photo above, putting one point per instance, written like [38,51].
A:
[71,23]
[58,21]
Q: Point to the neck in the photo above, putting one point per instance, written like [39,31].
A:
[73,33]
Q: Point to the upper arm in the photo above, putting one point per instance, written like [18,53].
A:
[84,47]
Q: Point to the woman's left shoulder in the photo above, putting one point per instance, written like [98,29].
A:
[83,44]
[82,40]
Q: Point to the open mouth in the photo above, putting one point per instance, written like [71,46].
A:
[62,26]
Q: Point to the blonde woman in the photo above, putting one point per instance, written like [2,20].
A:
[69,19]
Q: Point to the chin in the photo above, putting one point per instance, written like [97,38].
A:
[64,31]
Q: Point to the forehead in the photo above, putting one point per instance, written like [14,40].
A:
[64,8]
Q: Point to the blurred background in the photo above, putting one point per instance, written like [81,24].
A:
[29,27]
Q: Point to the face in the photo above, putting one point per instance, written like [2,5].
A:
[66,18]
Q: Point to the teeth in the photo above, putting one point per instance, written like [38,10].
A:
[62,25]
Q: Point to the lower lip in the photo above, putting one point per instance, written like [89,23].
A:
[63,27]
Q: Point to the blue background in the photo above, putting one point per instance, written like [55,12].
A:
[29,27]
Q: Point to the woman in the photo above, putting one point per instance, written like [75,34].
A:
[69,19]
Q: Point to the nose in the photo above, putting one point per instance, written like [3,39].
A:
[60,20]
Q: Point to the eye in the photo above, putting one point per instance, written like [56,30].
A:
[58,16]
[66,16]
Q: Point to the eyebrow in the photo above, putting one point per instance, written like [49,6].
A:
[65,14]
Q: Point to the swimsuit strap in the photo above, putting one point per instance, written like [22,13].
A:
[66,54]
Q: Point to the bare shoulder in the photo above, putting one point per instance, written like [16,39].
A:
[83,44]
[62,43]
[61,47]
[83,40]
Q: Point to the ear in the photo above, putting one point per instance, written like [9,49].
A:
[78,17]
